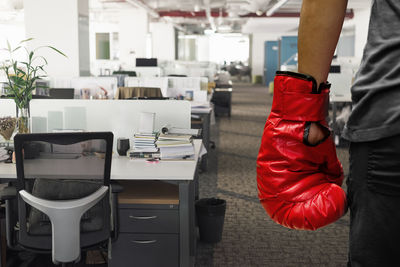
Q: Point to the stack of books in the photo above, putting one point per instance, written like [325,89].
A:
[175,146]
[144,146]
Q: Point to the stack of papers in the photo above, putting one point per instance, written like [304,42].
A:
[174,140]
[177,153]
[175,146]
[144,142]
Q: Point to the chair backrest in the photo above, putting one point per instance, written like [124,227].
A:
[63,166]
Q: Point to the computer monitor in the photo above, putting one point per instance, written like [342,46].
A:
[62,93]
[125,72]
[146,62]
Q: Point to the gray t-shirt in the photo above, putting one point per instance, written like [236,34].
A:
[376,90]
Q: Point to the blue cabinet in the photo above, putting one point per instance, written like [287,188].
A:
[271,60]
[287,50]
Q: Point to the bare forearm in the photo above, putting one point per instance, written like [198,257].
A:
[320,26]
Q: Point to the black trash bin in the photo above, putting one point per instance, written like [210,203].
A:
[210,217]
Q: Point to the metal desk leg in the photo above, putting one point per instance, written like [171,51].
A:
[187,224]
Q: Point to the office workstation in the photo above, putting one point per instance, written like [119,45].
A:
[94,116]
[124,67]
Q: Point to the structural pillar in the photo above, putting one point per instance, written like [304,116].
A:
[63,24]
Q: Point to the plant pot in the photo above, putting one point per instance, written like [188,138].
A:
[23,120]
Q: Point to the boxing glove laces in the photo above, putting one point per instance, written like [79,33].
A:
[298,182]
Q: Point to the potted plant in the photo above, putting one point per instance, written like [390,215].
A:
[22,77]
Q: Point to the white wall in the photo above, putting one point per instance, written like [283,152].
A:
[163,43]
[203,48]
[257,60]
[55,23]
[99,66]
[133,29]
[361,23]
[14,33]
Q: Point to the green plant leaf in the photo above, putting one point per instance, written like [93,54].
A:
[58,51]
[21,71]
[44,59]
[26,40]
[15,49]
[30,55]
[8,46]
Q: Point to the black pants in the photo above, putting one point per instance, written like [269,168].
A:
[374,201]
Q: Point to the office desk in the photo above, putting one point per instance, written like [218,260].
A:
[205,115]
[182,173]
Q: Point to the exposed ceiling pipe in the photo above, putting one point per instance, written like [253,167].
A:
[208,15]
[148,9]
[154,13]
[190,14]
[275,7]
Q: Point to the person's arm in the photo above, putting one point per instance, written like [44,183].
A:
[321,22]
[320,26]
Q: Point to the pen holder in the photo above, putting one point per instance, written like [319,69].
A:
[122,146]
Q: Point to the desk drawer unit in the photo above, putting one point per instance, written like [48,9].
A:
[149,221]
[149,226]
[145,250]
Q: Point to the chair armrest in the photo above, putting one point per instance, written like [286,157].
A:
[116,187]
[8,192]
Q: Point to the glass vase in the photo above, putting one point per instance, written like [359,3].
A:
[23,120]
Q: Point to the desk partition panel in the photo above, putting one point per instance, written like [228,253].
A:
[122,117]
[7,108]
[94,86]
[158,82]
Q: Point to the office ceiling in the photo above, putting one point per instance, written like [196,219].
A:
[224,16]
[195,16]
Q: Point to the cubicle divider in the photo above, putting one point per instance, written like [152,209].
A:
[147,71]
[196,87]
[95,85]
[158,82]
[122,117]
[7,108]
[88,87]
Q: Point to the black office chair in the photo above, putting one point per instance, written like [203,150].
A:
[63,194]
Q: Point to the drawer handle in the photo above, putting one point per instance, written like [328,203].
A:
[144,241]
[142,217]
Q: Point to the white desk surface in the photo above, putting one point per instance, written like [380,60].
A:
[200,107]
[123,168]
[201,110]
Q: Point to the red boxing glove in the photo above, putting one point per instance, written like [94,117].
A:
[299,183]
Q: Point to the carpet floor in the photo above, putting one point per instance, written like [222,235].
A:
[250,237]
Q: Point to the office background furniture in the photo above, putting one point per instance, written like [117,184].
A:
[129,73]
[201,119]
[122,118]
[62,176]
[61,93]
[182,174]
[149,225]
[131,92]
[95,83]
[158,82]
[148,71]
[146,62]
[222,100]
